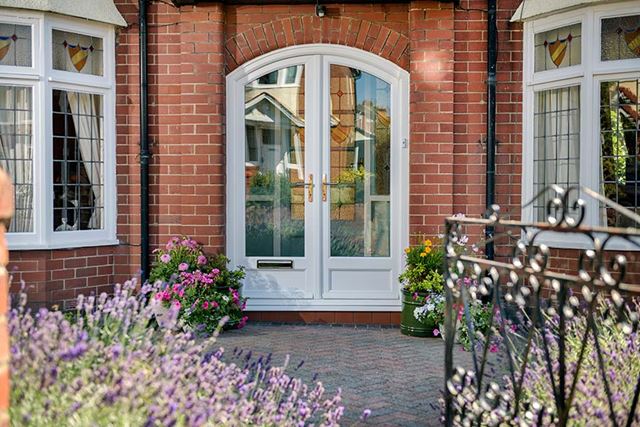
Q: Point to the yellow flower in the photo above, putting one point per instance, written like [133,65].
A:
[407,250]
[428,242]
[427,250]
[423,254]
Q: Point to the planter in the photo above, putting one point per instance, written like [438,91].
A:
[409,325]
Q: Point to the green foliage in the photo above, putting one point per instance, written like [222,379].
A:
[227,278]
[351,176]
[418,279]
[424,268]
[480,318]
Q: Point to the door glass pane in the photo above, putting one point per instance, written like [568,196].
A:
[360,166]
[274,167]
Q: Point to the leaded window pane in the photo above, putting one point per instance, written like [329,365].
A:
[619,128]
[16,156]
[77,53]
[556,142]
[558,48]
[620,38]
[15,45]
[78,161]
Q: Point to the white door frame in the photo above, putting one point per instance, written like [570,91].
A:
[308,296]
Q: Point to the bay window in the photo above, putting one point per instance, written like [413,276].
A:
[57,129]
[581,108]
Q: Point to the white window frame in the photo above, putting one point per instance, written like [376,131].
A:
[587,75]
[43,80]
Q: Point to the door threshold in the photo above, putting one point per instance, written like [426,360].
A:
[385,318]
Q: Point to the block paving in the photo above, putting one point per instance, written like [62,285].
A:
[378,368]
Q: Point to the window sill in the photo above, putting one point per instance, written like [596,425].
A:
[15,246]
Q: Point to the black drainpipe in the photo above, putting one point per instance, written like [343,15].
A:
[492,48]
[145,155]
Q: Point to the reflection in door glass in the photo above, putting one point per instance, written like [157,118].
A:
[360,164]
[274,164]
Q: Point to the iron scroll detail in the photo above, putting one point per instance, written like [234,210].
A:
[533,303]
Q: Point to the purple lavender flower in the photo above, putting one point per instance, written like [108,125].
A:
[146,376]
[365,414]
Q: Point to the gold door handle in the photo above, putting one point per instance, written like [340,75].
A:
[324,187]
[310,188]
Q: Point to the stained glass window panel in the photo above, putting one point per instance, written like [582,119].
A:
[15,45]
[558,48]
[77,53]
[620,38]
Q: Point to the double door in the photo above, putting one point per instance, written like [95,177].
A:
[315,188]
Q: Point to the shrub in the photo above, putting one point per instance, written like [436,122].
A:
[202,289]
[108,367]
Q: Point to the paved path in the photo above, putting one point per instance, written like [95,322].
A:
[395,376]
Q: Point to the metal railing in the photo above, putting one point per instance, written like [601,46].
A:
[535,305]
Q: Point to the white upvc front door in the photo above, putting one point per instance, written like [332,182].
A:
[317,178]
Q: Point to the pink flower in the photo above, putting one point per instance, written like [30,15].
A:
[205,305]
[436,332]
[415,296]
[202,260]
[165,258]
[493,347]
[183,266]
[215,271]
[214,304]
[243,322]
[177,304]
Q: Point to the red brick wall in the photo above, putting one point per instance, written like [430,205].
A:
[431,115]
[470,110]
[58,277]
[254,30]
[191,49]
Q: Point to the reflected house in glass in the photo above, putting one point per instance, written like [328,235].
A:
[311,150]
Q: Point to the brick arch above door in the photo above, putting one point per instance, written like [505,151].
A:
[298,30]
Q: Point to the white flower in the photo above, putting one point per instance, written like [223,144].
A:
[420,312]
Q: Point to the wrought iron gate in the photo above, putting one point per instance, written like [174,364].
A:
[537,311]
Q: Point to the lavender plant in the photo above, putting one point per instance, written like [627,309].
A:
[620,351]
[108,366]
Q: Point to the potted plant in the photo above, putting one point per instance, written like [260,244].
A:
[422,286]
